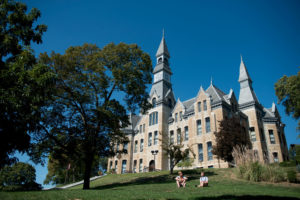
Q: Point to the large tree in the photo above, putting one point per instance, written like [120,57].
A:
[95,90]
[25,85]
[288,93]
[232,134]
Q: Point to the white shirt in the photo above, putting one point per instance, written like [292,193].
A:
[203,179]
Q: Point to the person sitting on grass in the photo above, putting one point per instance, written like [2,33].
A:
[180,180]
[203,180]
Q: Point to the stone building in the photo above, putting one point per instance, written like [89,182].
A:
[196,120]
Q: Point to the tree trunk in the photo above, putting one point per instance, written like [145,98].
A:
[171,167]
[87,173]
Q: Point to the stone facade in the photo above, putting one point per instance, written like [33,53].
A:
[196,120]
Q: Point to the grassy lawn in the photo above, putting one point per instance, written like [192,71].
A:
[161,185]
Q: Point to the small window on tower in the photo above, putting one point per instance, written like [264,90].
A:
[159,60]
[166,60]
[154,102]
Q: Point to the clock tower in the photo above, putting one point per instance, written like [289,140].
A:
[162,87]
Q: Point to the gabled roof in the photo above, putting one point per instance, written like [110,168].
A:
[133,119]
[215,93]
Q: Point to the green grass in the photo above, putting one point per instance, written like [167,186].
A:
[161,185]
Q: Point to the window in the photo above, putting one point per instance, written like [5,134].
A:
[170,103]
[209,151]
[180,116]
[200,153]
[142,145]
[154,102]
[124,162]
[135,146]
[149,139]
[204,105]
[141,165]
[110,165]
[252,134]
[143,128]
[153,118]
[199,106]
[150,119]
[178,136]
[171,137]
[186,133]
[134,166]
[199,127]
[275,156]
[125,147]
[262,135]
[155,138]
[118,146]
[116,166]
[176,117]
[159,60]
[207,124]
[272,138]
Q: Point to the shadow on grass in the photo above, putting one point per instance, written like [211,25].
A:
[244,197]
[161,179]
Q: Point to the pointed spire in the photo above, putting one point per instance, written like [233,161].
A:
[273,107]
[244,75]
[211,80]
[162,49]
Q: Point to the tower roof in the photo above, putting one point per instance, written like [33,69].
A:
[162,49]
[244,75]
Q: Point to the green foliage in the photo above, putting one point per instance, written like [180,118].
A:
[255,171]
[85,118]
[175,152]
[24,85]
[232,134]
[185,163]
[288,163]
[20,176]
[292,175]
[288,93]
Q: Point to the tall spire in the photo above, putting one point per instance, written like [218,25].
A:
[246,91]
[162,49]
[244,75]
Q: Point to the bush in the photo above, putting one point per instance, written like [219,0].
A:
[291,163]
[292,176]
[254,171]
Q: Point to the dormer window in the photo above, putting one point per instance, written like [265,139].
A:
[166,61]
[154,102]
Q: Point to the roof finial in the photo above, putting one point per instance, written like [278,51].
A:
[163,33]
[211,80]
[241,58]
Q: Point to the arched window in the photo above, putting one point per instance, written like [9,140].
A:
[154,102]
[159,60]
[166,60]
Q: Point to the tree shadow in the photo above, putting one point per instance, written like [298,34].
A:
[161,179]
[245,197]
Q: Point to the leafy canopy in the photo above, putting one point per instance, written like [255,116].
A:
[288,93]
[95,89]
[25,85]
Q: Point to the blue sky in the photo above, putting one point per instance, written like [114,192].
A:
[205,39]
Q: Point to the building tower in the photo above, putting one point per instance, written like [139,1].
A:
[249,105]
[163,100]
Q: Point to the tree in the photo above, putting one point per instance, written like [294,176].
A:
[175,152]
[20,176]
[287,90]
[86,117]
[25,85]
[62,169]
[231,135]
[186,162]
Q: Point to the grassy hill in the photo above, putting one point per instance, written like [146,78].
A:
[161,185]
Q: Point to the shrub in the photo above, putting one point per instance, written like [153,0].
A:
[291,163]
[292,176]
[273,173]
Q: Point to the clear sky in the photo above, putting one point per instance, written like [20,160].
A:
[205,39]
